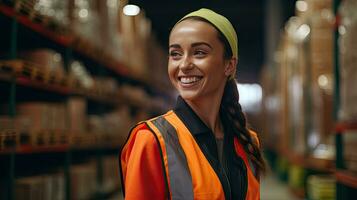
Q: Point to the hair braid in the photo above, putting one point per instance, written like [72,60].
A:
[232,111]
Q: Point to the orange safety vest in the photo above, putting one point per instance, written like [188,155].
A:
[187,173]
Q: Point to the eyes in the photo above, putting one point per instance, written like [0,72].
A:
[176,54]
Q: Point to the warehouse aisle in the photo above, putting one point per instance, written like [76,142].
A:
[273,189]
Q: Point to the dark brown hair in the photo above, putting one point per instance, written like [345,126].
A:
[232,110]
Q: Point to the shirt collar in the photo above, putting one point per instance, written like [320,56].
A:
[191,120]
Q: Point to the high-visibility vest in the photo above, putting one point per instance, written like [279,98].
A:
[188,174]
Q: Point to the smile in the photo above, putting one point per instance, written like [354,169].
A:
[190,79]
[187,80]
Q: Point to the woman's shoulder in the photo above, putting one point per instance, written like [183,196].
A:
[139,141]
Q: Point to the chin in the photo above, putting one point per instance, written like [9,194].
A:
[189,95]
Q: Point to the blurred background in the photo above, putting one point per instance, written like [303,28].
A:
[75,75]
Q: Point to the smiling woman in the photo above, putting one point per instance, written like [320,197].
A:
[196,66]
[202,148]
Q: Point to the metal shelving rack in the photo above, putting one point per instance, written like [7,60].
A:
[346,181]
[10,155]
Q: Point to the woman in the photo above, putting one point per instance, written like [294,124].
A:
[202,148]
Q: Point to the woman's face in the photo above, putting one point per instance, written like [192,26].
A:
[196,65]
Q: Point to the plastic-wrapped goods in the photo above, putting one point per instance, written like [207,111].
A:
[105,86]
[40,187]
[110,173]
[56,9]
[47,61]
[348,60]
[321,58]
[349,150]
[43,115]
[114,124]
[321,187]
[314,35]
[79,76]
[295,92]
[77,115]
[296,177]
[83,180]
[86,21]
[114,44]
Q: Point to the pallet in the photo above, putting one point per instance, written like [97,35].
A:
[83,140]
[13,139]
[9,139]
[48,138]
[27,8]
[32,71]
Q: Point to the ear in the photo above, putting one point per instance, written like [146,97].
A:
[230,67]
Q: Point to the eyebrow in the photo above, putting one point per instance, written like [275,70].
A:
[192,45]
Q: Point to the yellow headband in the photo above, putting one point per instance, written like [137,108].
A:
[221,23]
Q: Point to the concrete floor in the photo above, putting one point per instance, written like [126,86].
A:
[272,189]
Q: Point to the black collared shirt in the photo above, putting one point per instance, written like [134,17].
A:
[232,171]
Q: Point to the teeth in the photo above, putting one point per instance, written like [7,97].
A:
[191,79]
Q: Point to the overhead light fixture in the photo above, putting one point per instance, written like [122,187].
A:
[131,10]
[301,5]
[303,31]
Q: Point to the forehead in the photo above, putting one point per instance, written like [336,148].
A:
[191,30]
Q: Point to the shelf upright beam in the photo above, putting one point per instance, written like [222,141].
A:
[12,107]
[67,58]
[68,157]
[339,139]
[340,190]
[67,173]
[100,181]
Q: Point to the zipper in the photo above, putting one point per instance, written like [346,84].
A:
[222,166]
[224,169]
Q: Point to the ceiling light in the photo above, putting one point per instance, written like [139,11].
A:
[131,10]
[301,6]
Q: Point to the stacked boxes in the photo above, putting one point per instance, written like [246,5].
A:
[83,180]
[348,60]
[321,187]
[42,187]
[348,73]
[304,81]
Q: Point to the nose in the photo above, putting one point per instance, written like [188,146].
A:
[186,63]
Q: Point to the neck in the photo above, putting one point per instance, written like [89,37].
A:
[208,111]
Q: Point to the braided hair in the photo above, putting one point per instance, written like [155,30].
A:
[232,111]
[237,123]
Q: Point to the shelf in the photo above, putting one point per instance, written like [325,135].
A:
[310,162]
[342,127]
[39,28]
[28,149]
[347,178]
[13,141]
[43,86]
[69,41]
[59,89]
[313,163]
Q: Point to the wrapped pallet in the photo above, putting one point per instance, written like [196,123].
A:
[348,60]
[348,73]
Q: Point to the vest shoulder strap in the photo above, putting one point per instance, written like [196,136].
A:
[180,179]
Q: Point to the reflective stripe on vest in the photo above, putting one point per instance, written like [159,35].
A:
[205,182]
[180,177]
[188,173]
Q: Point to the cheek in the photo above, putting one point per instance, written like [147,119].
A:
[171,70]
